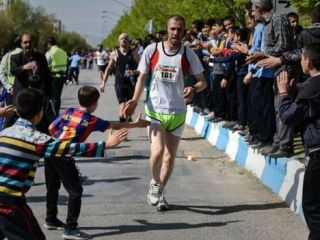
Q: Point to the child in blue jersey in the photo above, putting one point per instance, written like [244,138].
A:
[74,125]
[21,148]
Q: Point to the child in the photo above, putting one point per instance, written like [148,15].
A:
[304,112]
[236,89]
[74,125]
[21,148]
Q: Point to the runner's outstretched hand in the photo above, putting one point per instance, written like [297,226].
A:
[130,107]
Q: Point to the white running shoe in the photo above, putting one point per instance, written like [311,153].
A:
[162,204]
[154,193]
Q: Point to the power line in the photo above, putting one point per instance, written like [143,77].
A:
[121,3]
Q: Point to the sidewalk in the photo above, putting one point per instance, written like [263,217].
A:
[284,176]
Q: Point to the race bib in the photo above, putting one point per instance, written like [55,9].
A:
[167,73]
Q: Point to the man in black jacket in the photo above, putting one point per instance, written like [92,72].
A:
[31,70]
[304,112]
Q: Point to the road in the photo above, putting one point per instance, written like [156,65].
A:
[210,198]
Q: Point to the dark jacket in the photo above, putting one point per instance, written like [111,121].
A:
[304,111]
[307,36]
[23,76]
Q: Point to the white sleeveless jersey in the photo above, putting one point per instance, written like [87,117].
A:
[167,77]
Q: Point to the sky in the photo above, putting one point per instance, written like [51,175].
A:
[92,19]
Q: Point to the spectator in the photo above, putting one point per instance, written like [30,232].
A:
[278,40]
[304,112]
[30,69]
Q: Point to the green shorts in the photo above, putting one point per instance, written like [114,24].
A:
[173,123]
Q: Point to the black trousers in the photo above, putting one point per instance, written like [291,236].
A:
[74,74]
[57,87]
[311,196]
[242,95]
[57,170]
[232,103]
[17,222]
[219,97]
[262,124]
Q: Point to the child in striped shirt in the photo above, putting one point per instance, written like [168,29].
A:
[21,148]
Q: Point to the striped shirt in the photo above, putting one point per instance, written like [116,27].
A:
[21,147]
[75,125]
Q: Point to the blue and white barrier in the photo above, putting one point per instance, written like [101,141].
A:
[283,176]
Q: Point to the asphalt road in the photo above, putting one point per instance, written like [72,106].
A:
[210,198]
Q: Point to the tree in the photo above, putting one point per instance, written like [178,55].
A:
[142,11]
[20,17]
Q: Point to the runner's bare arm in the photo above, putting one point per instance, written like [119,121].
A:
[132,104]
[198,87]
[108,71]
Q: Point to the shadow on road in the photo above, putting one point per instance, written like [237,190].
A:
[207,210]
[191,138]
[111,159]
[219,210]
[63,200]
[110,180]
[146,226]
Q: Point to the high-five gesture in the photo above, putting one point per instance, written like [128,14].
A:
[116,137]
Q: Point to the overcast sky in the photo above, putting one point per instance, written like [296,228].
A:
[93,19]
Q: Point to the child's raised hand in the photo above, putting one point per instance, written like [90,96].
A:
[116,137]
[141,123]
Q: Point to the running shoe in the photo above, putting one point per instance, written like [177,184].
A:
[162,204]
[154,193]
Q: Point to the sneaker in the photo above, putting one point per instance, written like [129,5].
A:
[269,149]
[259,145]
[244,132]
[281,153]
[210,116]
[162,204]
[55,224]
[238,127]
[205,111]
[229,125]
[68,82]
[216,119]
[75,234]
[154,193]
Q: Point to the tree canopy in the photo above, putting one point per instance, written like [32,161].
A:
[134,20]
[20,17]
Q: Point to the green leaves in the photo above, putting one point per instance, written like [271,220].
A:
[20,17]
[159,10]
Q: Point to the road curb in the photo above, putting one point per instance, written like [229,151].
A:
[284,176]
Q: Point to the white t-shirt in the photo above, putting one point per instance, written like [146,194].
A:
[167,80]
[102,58]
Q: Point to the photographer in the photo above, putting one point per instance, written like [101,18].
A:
[31,70]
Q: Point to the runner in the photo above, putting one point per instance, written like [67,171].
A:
[102,60]
[125,62]
[168,62]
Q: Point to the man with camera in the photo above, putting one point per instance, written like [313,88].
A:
[30,69]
